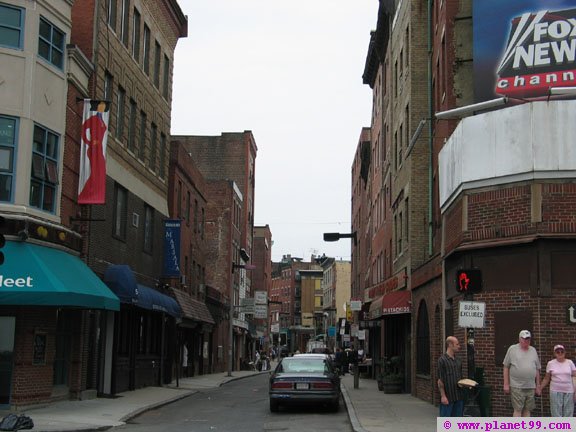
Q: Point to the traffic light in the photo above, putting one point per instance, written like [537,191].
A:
[2,238]
[469,281]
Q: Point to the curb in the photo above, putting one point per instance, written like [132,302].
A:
[356,426]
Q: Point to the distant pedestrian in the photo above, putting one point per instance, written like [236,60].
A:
[522,375]
[338,357]
[559,373]
[449,373]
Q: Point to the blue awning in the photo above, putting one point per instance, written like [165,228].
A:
[34,275]
[120,278]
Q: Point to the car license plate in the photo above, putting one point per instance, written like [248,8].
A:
[302,386]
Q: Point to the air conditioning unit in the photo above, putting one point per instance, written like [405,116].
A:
[183,279]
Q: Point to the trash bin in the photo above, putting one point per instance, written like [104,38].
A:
[485,401]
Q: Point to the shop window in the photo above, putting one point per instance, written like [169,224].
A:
[423,341]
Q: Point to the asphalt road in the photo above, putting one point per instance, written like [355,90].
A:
[238,406]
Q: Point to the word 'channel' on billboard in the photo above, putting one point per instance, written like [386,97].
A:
[523,48]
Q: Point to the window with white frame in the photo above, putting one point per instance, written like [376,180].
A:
[44,173]
[11,26]
[51,43]
[8,140]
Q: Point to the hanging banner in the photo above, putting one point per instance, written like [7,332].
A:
[171,266]
[93,142]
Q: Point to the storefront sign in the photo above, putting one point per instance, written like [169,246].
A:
[22,282]
[172,248]
[522,48]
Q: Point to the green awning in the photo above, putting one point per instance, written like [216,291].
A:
[35,275]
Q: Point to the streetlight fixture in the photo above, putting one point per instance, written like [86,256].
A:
[245,257]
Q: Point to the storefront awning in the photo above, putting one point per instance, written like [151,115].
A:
[192,309]
[34,275]
[394,303]
[120,278]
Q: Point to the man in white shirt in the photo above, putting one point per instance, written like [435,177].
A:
[522,375]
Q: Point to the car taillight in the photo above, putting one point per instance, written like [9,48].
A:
[282,385]
[324,385]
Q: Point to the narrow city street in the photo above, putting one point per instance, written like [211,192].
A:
[238,406]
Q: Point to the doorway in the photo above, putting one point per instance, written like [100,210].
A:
[7,328]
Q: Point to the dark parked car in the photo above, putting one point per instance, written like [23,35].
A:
[306,378]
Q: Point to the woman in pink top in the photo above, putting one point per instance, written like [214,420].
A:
[559,373]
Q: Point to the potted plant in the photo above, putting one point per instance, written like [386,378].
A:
[391,377]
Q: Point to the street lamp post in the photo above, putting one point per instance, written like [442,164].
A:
[332,237]
[245,257]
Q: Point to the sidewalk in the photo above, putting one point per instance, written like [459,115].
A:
[369,410]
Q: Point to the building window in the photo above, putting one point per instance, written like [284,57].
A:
[120,209]
[141,154]
[11,26]
[146,50]
[148,228]
[196,226]
[202,223]
[44,177]
[153,145]
[423,341]
[188,199]
[157,64]
[112,13]
[51,43]
[124,23]
[108,86]
[120,101]
[136,35]
[166,82]
[162,169]
[132,125]
[8,139]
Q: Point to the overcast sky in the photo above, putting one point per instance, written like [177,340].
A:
[290,72]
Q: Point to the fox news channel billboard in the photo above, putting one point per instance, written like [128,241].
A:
[522,48]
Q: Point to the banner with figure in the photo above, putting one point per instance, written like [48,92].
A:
[92,177]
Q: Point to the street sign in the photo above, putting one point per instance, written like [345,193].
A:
[247,305]
[355,305]
[471,314]
[260,311]
[275,328]
[261,297]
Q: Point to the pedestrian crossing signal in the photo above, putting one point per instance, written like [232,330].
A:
[469,281]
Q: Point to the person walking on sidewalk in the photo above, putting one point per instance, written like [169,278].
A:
[449,373]
[522,375]
[559,373]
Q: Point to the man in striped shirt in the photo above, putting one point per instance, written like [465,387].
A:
[449,373]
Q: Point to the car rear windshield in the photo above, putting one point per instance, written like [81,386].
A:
[295,365]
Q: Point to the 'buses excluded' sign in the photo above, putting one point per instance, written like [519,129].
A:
[471,314]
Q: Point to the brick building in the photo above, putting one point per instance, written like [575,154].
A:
[262,276]
[131,45]
[187,202]
[228,162]
[48,337]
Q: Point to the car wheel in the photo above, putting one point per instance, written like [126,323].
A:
[274,405]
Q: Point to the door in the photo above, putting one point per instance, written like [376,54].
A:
[7,328]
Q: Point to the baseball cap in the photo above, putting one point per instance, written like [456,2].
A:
[525,334]
[557,347]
